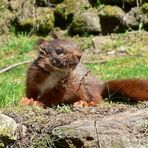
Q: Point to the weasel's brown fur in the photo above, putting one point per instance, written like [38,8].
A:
[58,76]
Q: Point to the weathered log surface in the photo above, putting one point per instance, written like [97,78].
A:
[105,126]
[121,130]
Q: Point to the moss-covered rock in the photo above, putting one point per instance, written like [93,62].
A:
[24,15]
[31,19]
[137,18]
[144,8]
[44,20]
[3,4]
[111,18]
[3,16]
[144,15]
[78,24]
[14,5]
[112,11]
[28,16]
[87,21]
[124,4]
[8,127]
[10,130]
[5,21]
[65,11]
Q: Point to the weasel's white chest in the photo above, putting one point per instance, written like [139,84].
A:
[51,81]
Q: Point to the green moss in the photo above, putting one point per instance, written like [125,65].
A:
[5,17]
[5,21]
[2,145]
[144,127]
[41,22]
[78,24]
[144,8]
[66,8]
[112,11]
[3,4]
[7,132]
[45,20]
[86,22]
[33,19]
[27,21]
[63,109]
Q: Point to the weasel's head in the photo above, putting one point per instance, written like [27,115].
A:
[59,53]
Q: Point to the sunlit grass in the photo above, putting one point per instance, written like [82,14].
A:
[12,86]
[14,50]
[122,68]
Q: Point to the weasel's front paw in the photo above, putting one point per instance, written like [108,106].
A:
[80,103]
[83,103]
[27,101]
[38,103]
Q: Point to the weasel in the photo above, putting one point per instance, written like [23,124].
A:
[58,76]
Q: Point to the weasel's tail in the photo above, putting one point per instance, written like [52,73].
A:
[134,89]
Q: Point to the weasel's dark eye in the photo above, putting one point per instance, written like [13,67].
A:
[59,51]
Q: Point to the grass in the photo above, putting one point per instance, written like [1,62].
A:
[13,50]
[122,68]
[132,42]
[16,49]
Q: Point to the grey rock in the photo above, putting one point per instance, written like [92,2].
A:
[137,17]
[7,122]
[9,130]
[132,18]
[99,42]
[144,15]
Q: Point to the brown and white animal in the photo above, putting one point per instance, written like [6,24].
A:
[58,76]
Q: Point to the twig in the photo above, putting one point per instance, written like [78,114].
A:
[13,66]
[82,81]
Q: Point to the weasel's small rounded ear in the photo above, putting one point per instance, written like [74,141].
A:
[41,45]
[54,35]
[40,41]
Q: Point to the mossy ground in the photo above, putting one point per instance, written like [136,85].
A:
[40,122]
